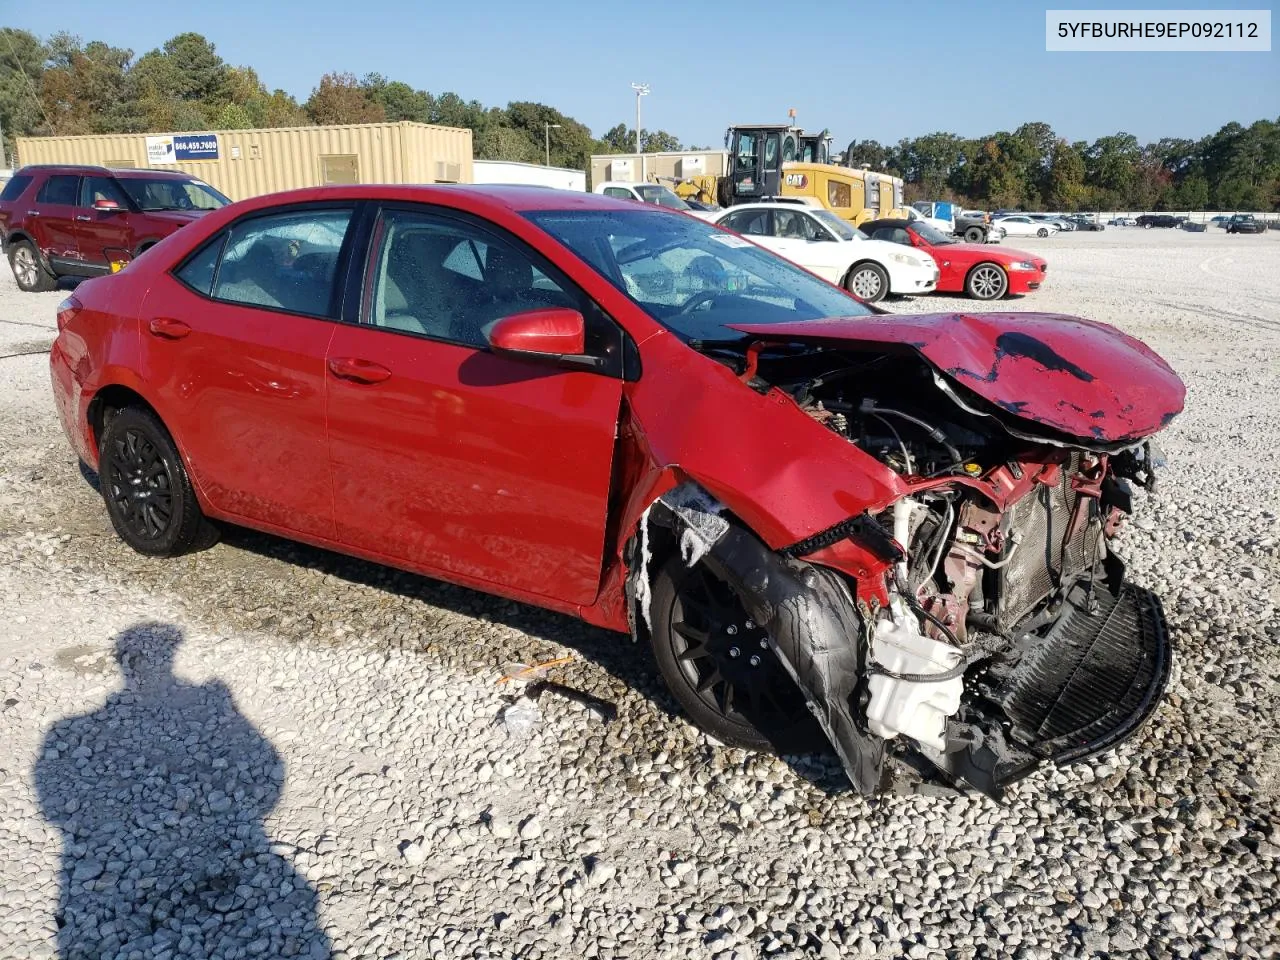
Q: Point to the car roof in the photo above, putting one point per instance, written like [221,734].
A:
[119,172]
[517,199]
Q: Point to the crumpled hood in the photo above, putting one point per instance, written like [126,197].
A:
[1075,376]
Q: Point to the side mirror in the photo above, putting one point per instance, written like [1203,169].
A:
[104,205]
[556,334]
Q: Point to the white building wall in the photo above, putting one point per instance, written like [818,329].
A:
[532,174]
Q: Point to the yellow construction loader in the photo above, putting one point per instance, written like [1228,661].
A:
[771,160]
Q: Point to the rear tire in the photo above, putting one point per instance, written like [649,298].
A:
[1042,232]
[731,684]
[148,494]
[867,282]
[28,271]
[975,235]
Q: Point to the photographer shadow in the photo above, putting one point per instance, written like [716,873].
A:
[160,796]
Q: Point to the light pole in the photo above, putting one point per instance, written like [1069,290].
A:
[642,90]
[546,134]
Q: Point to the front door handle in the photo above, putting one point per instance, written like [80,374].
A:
[357,370]
[33,213]
[168,328]
[81,216]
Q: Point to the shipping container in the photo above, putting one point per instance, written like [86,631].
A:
[651,167]
[248,163]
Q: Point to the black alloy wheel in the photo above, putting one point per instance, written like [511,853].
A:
[718,663]
[148,494]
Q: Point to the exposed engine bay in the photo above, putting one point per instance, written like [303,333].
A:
[1004,634]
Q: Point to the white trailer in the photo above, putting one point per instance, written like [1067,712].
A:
[529,174]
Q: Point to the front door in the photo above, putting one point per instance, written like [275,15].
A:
[102,236]
[54,225]
[801,239]
[234,345]
[448,458]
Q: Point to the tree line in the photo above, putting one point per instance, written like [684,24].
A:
[67,86]
[1032,168]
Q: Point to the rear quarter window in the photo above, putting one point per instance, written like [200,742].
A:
[15,188]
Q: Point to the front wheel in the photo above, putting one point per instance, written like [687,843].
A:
[986,281]
[867,281]
[29,273]
[974,235]
[718,663]
[1042,232]
[149,497]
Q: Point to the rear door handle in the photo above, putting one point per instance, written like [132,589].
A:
[357,370]
[168,328]
[81,216]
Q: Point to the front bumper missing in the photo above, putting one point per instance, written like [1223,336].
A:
[1086,685]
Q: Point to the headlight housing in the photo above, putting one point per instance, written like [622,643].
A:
[908,260]
[1021,265]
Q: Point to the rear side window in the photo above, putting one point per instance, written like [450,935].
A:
[199,271]
[284,261]
[13,189]
[60,189]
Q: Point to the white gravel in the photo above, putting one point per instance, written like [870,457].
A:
[320,771]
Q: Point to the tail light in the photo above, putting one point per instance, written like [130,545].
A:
[67,311]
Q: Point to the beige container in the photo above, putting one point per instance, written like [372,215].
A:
[254,162]
[681,165]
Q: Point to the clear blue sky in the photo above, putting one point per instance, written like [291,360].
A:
[968,68]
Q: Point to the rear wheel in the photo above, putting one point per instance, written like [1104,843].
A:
[974,235]
[986,281]
[718,664]
[149,497]
[29,273]
[867,281]
[1042,232]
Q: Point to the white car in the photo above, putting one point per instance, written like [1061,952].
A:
[822,243]
[1020,226]
[654,193]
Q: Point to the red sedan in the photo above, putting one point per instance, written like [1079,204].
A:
[897,525]
[982,271]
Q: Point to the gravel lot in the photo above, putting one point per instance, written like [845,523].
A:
[268,750]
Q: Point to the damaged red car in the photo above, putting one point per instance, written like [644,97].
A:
[899,526]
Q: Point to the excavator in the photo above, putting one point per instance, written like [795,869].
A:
[779,159]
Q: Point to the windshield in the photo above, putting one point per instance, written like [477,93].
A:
[164,193]
[661,197]
[841,228]
[930,234]
[691,277]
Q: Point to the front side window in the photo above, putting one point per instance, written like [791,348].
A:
[692,278]
[284,261]
[449,280]
[746,151]
[93,189]
[797,226]
[60,189]
[841,228]
[172,193]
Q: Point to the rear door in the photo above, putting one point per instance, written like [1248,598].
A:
[234,345]
[448,458]
[102,235]
[52,220]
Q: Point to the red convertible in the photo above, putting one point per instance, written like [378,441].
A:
[899,526]
[982,271]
